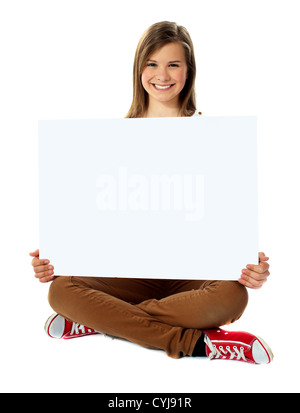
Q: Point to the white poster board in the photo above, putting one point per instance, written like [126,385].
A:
[170,198]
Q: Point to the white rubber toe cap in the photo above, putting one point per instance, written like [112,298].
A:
[55,326]
[261,353]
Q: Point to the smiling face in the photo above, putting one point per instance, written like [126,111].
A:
[165,74]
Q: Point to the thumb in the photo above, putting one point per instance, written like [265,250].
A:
[263,257]
[35,253]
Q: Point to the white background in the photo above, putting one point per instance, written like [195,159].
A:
[73,59]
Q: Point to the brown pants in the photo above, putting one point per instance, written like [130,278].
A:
[160,314]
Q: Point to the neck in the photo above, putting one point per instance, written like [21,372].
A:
[162,110]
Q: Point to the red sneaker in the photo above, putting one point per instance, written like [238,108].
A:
[58,327]
[236,345]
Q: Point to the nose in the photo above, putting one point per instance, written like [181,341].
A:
[162,75]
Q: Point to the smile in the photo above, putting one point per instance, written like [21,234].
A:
[160,87]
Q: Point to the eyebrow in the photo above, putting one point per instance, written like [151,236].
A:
[171,61]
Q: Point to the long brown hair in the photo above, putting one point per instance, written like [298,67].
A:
[155,37]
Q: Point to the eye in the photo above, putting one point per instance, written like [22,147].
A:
[174,65]
[151,64]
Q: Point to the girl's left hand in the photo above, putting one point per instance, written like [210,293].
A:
[254,276]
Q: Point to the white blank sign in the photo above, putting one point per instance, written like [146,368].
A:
[168,198]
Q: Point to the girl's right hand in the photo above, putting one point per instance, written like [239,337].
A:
[42,270]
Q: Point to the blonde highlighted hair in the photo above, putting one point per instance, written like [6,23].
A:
[155,37]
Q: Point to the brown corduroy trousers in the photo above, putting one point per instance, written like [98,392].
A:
[159,314]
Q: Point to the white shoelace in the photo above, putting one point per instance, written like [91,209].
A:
[216,352]
[76,327]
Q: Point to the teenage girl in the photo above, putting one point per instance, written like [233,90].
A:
[181,317]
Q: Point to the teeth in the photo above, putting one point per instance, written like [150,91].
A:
[162,87]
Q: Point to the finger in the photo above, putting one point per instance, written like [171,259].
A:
[244,282]
[262,256]
[252,275]
[43,268]
[250,282]
[35,253]
[45,273]
[255,274]
[36,262]
[261,268]
[47,278]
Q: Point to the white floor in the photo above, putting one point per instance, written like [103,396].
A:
[33,362]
